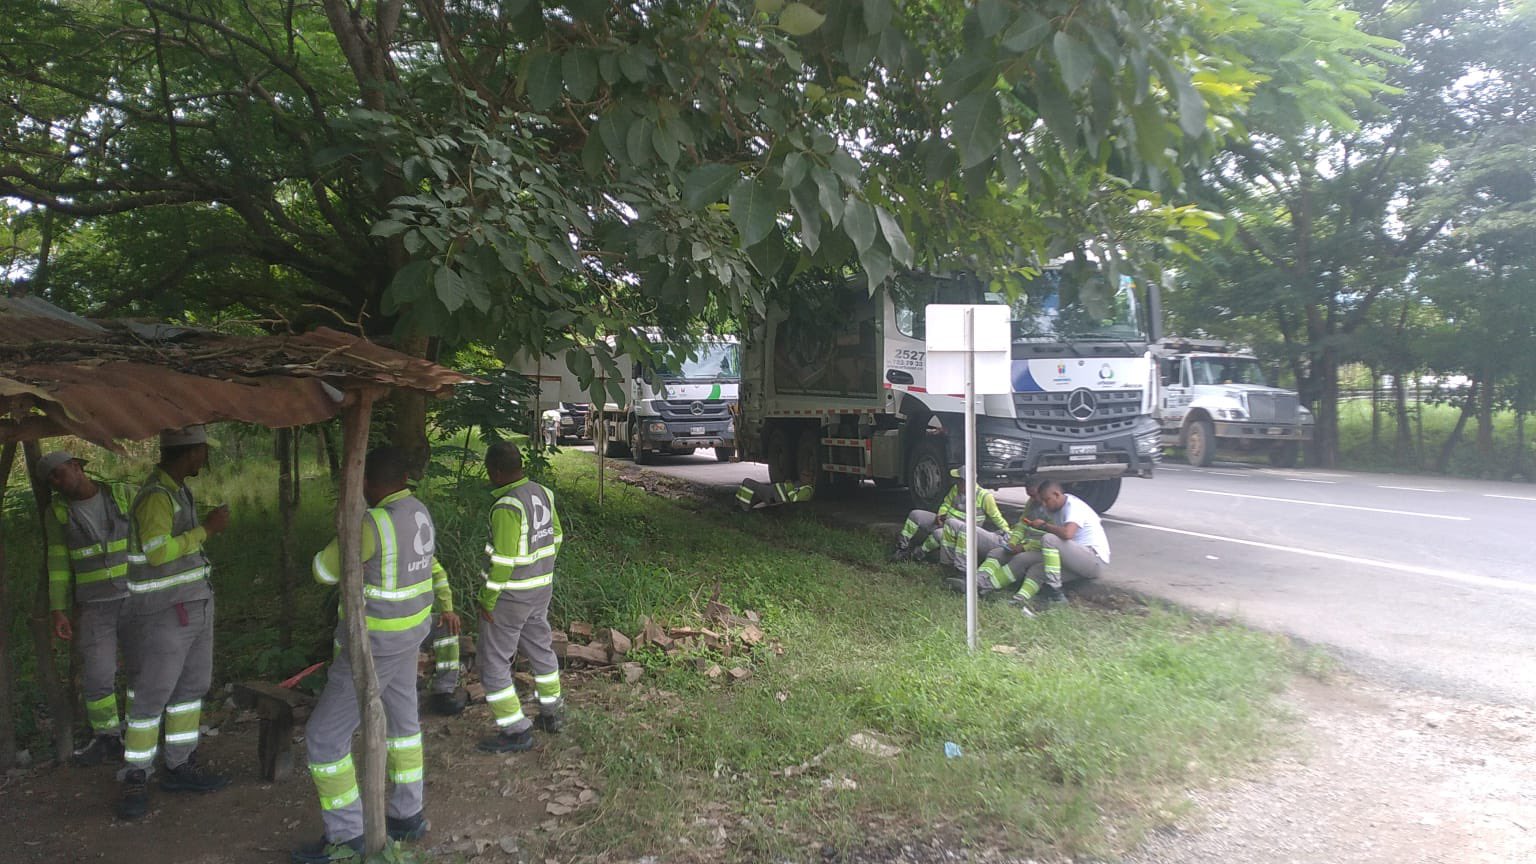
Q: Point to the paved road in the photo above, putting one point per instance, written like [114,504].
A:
[1426,582]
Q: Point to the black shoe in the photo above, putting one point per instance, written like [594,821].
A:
[405,830]
[103,748]
[190,777]
[448,704]
[1053,596]
[135,801]
[517,742]
[321,852]
[551,718]
[903,553]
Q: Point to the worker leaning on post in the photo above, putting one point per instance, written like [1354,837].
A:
[514,604]
[402,585]
[87,533]
[169,621]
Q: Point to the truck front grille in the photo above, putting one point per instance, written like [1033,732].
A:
[1052,413]
[1274,407]
[683,409]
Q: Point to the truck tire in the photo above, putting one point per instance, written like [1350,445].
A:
[778,452]
[1285,455]
[928,473]
[1098,494]
[1200,442]
[724,454]
[637,450]
[808,459]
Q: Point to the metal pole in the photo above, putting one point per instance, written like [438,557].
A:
[970,479]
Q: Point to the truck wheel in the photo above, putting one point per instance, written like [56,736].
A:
[777,452]
[928,473]
[808,459]
[637,449]
[1285,455]
[1098,494]
[724,454]
[1200,442]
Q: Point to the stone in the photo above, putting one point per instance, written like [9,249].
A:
[868,742]
[630,673]
[595,655]
[556,809]
[619,641]
[713,672]
[740,673]
[508,844]
[716,612]
[580,630]
[751,634]
[558,641]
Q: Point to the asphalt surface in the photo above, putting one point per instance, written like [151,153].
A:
[1420,581]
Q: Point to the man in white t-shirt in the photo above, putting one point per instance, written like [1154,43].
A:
[1072,546]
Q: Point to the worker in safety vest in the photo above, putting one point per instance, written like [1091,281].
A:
[514,604]
[751,493]
[87,533]
[1073,545]
[926,531]
[402,585]
[168,617]
[1023,538]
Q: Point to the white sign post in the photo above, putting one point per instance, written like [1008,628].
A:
[969,352]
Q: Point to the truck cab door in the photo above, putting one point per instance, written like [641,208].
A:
[1174,393]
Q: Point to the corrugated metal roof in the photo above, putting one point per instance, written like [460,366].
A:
[65,375]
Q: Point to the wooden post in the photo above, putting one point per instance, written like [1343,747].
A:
[7,691]
[285,502]
[349,530]
[59,704]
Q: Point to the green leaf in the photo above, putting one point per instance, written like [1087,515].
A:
[1027,32]
[859,224]
[1191,107]
[666,145]
[635,64]
[877,15]
[804,199]
[588,10]
[1056,108]
[752,210]
[637,141]
[829,193]
[876,265]
[1075,59]
[798,19]
[971,72]
[707,184]
[976,124]
[993,15]
[386,228]
[895,238]
[543,81]
[769,7]
[580,70]
[449,288]
[794,170]
[408,286]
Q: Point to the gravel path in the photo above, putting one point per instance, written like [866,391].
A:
[1379,776]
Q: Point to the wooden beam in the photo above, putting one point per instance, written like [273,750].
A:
[60,705]
[349,530]
[7,691]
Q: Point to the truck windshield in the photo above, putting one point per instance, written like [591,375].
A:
[1050,308]
[711,361]
[1226,370]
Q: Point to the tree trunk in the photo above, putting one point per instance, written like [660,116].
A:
[1519,466]
[1375,411]
[410,415]
[332,458]
[1468,407]
[1325,437]
[1485,416]
[349,530]
[59,705]
[285,500]
[1403,439]
[7,684]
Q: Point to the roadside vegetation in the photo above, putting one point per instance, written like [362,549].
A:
[1075,730]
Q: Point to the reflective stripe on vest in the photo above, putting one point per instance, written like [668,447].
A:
[94,560]
[188,569]
[533,562]
[397,580]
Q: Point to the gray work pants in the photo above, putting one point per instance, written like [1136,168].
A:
[986,541]
[170,661]
[444,647]
[98,632]
[328,737]
[1077,562]
[919,526]
[520,622]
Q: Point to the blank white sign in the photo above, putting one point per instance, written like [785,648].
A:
[947,349]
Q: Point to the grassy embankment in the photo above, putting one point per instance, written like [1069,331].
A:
[1074,742]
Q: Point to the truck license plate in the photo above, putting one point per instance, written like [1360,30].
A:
[1076,449]
[1082,457]
[1276,430]
[696,430]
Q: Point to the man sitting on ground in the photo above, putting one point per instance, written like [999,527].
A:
[926,531]
[1072,546]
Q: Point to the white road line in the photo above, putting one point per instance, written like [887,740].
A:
[1226,473]
[1508,497]
[1411,489]
[1302,480]
[1435,572]
[1335,506]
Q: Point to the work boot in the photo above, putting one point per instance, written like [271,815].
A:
[551,717]
[322,852]
[135,801]
[448,704]
[1053,596]
[507,742]
[903,552]
[407,829]
[103,748]
[190,777]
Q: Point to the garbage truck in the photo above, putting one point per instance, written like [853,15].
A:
[1213,397]
[833,389]
[677,407]
[564,406]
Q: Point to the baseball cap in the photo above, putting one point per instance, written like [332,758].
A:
[49,462]
[184,437]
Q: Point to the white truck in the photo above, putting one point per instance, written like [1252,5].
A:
[564,405]
[1214,397]
[679,408]
[836,393]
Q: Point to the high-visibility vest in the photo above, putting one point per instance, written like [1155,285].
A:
[94,557]
[530,554]
[181,580]
[397,580]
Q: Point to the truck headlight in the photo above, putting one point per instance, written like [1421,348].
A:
[656,428]
[1149,444]
[1005,450]
[1231,414]
[1306,417]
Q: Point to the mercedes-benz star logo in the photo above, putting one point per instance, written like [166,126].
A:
[697,408]
[1081,404]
